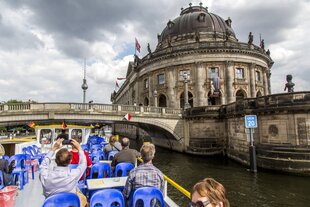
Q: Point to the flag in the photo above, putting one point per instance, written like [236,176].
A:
[138,46]
[64,125]
[121,78]
[116,83]
[31,124]
[127,117]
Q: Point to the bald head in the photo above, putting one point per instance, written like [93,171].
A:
[125,142]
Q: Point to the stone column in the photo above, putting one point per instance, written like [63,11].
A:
[171,81]
[186,104]
[268,78]
[229,82]
[151,86]
[200,79]
[265,79]
[155,98]
[252,80]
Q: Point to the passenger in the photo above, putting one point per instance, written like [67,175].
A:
[113,145]
[63,135]
[209,193]
[75,157]
[5,168]
[126,154]
[57,179]
[146,174]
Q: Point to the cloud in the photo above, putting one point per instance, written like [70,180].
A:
[43,44]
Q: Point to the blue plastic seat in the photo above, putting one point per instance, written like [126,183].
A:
[34,155]
[107,197]
[112,154]
[1,180]
[62,199]
[6,157]
[96,156]
[147,195]
[121,169]
[103,169]
[20,168]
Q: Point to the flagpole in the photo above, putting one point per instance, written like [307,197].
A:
[135,46]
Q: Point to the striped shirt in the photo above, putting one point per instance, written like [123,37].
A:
[142,176]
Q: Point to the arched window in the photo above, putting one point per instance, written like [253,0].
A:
[162,101]
[240,95]
[258,94]
[146,101]
[190,99]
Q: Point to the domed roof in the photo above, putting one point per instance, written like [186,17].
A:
[197,19]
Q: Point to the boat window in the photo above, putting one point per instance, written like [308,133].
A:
[61,133]
[76,133]
[46,136]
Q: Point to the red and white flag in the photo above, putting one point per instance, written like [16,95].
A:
[138,46]
[127,117]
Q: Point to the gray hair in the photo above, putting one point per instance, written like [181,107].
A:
[147,152]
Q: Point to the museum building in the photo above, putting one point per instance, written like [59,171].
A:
[200,48]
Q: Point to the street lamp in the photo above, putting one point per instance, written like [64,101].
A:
[155,98]
[186,104]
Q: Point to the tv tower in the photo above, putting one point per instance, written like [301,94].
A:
[84,85]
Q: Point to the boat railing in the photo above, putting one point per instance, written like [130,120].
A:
[174,184]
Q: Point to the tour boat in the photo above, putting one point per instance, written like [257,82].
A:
[32,193]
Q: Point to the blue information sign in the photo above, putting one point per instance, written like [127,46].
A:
[250,121]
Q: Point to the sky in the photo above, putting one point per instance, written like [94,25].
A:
[43,43]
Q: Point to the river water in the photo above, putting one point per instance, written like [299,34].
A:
[267,189]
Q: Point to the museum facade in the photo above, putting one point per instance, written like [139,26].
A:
[202,48]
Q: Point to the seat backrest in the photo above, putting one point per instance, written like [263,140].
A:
[37,149]
[107,197]
[62,199]
[19,160]
[1,180]
[96,156]
[27,151]
[112,154]
[32,151]
[103,169]
[6,157]
[122,168]
[147,196]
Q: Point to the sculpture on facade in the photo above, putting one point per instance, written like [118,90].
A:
[268,52]
[262,44]
[289,85]
[250,38]
[149,48]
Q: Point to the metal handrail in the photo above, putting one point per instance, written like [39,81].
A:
[174,184]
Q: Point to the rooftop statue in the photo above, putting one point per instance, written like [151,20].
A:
[262,44]
[250,38]
[289,85]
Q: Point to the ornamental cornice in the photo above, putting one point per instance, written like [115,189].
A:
[178,53]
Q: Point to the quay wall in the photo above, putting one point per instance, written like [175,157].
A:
[282,138]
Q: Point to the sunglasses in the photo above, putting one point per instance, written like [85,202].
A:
[200,203]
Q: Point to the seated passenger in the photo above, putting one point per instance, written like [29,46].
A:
[75,156]
[209,193]
[126,154]
[60,178]
[146,174]
[6,169]
[113,145]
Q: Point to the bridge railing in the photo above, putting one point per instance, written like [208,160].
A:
[87,107]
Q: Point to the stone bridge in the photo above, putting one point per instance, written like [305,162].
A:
[154,120]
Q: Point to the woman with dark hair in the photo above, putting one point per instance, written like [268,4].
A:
[209,193]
